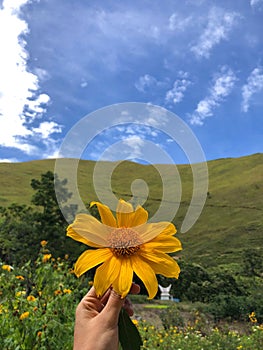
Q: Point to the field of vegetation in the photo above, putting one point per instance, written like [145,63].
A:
[38,302]
[231,218]
[220,284]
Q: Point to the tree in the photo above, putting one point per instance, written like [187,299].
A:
[23,227]
[18,234]
[252,262]
[51,224]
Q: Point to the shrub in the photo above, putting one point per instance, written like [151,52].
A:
[171,317]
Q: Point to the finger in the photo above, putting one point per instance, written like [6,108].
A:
[91,302]
[135,288]
[113,306]
[128,307]
[91,292]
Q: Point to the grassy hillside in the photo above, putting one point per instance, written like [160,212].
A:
[230,222]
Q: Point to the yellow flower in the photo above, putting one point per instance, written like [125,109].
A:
[31,298]
[20,293]
[7,268]
[39,333]
[67,291]
[126,244]
[46,257]
[24,315]
[43,243]
[58,292]
[20,278]
[136,322]
[252,317]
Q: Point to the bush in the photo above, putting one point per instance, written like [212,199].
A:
[171,317]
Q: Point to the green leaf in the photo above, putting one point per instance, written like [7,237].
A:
[129,335]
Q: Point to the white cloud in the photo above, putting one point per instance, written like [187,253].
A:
[45,129]
[223,84]
[253,86]
[134,146]
[178,23]
[176,94]
[145,82]
[218,27]
[9,160]
[125,147]
[256,3]
[21,103]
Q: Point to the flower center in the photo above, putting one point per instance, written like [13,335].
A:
[124,241]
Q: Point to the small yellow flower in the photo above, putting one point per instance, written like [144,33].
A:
[58,292]
[21,292]
[252,317]
[7,268]
[67,291]
[136,322]
[239,347]
[46,257]
[2,309]
[43,243]
[24,315]
[39,333]
[31,298]
[20,278]
[66,256]
[35,308]
[126,245]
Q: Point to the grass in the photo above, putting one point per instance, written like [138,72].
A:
[230,221]
[155,306]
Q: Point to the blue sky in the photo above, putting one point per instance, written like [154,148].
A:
[61,60]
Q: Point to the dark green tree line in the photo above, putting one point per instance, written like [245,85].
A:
[22,227]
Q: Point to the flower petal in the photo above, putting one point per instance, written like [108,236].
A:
[149,231]
[107,218]
[161,263]
[124,213]
[91,229]
[144,271]
[140,217]
[91,258]
[164,243]
[74,235]
[123,282]
[106,274]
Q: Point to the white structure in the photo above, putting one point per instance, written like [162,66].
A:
[165,292]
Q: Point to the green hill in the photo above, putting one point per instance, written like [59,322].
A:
[231,220]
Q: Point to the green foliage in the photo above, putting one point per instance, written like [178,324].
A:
[18,233]
[191,282]
[50,222]
[252,262]
[37,312]
[236,307]
[22,225]
[38,303]
[171,317]
[190,338]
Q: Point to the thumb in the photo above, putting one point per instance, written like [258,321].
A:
[113,306]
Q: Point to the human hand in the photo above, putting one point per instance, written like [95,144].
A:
[96,324]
